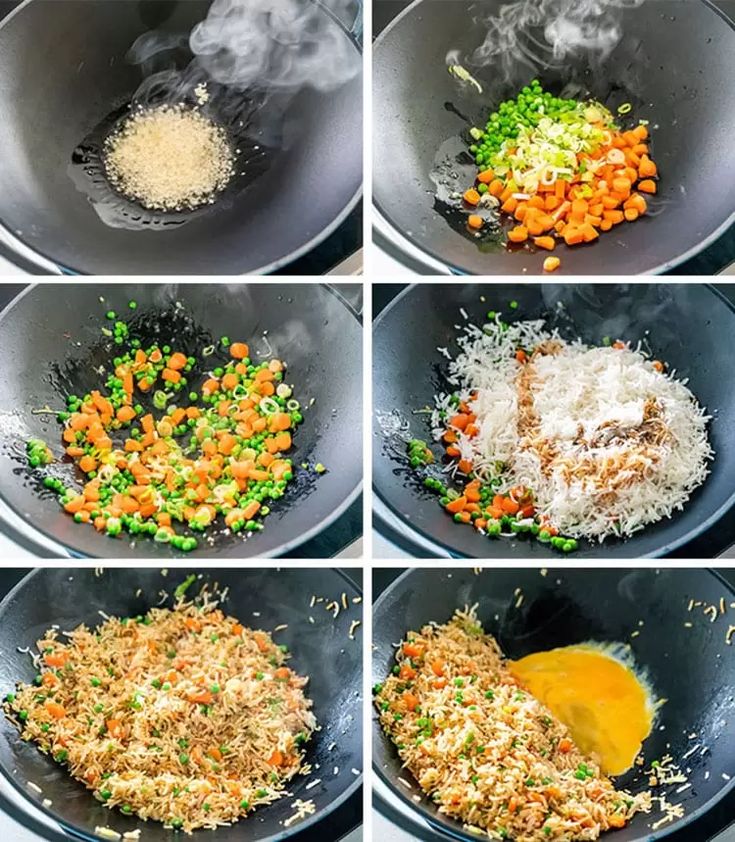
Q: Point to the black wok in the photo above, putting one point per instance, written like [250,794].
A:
[685,324]
[673,64]
[52,341]
[63,71]
[321,650]
[690,667]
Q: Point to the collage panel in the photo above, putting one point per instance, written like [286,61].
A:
[534,704]
[530,421]
[154,420]
[181,391]
[181,137]
[147,703]
[552,137]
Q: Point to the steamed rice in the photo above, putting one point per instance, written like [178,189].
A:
[182,716]
[486,752]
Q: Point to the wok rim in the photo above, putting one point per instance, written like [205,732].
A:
[660,552]
[279,550]
[659,269]
[77,833]
[459,834]
[267,268]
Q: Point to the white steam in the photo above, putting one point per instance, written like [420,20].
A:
[543,33]
[280,45]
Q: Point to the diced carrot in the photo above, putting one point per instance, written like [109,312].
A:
[548,243]
[509,205]
[519,234]
[75,505]
[572,237]
[551,264]
[54,709]
[631,214]
[471,196]
[456,505]
[472,492]
[125,413]
[410,701]
[239,350]
[203,697]
[486,176]
[475,221]
[170,375]
[465,466]
[88,463]
[437,667]
[413,650]
[56,659]
[647,168]
[406,672]
[614,216]
[496,188]
[565,745]
[647,186]
[510,507]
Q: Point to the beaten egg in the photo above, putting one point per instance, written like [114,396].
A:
[607,708]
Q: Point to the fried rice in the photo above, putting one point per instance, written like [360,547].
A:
[487,752]
[183,716]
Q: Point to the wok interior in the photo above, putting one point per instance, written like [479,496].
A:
[689,101]
[52,335]
[688,667]
[63,69]
[70,597]
[684,324]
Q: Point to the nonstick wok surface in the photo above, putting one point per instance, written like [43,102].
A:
[52,340]
[63,70]
[684,324]
[690,667]
[673,65]
[321,650]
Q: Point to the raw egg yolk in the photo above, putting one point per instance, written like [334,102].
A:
[606,708]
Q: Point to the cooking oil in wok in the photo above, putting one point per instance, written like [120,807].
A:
[246,161]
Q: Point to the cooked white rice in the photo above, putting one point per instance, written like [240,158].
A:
[606,441]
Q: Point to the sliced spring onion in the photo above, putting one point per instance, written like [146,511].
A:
[464,75]
[293,405]
[625,108]
[160,399]
[208,351]
[269,405]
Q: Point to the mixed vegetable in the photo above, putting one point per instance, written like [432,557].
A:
[216,452]
[478,504]
[561,168]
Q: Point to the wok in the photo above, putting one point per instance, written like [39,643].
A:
[63,71]
[571,606]
[684,324]
[72,596]
[51,333]
[673,64]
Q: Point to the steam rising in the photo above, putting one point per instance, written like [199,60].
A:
[254,46]
[543,33]
[278,44]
